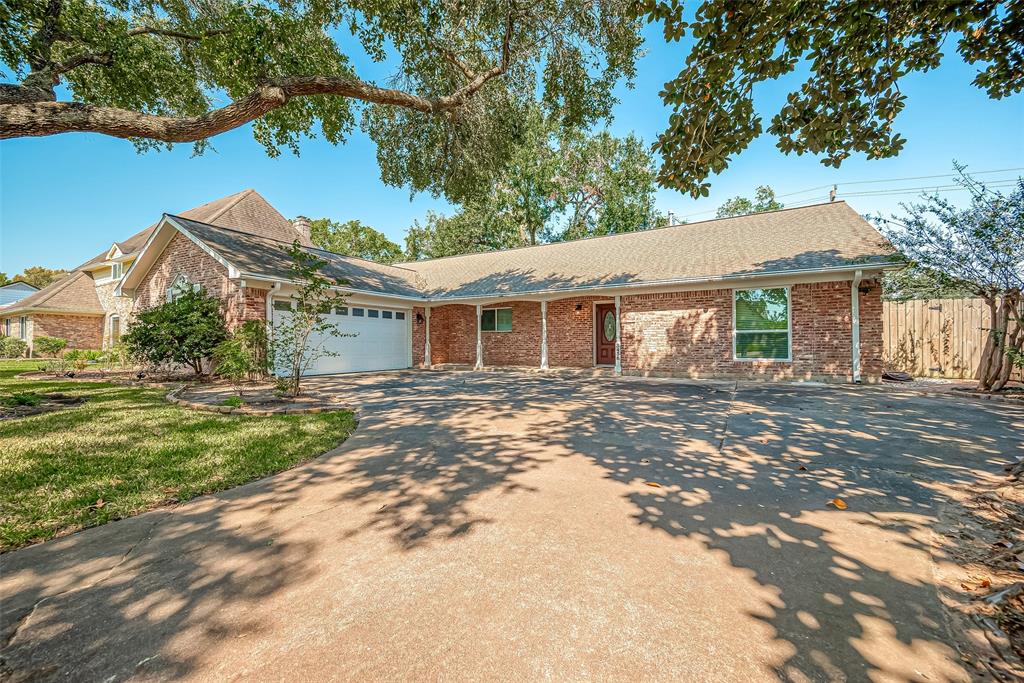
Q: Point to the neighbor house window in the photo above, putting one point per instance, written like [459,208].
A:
[761,323]
[496,320]
[23,327]
[117,270]
[115,329]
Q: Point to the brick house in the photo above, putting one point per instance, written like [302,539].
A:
[83,307]
[789,294]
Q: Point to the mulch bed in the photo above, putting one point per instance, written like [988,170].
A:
[49,403]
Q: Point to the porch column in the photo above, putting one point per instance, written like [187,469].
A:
[479,340]
[426,343]
[543,335]
[855,329]
[618,335]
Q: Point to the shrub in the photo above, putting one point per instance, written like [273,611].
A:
[12,347]
[50,346]
[183,332]
[21,398]
[244,354]
[233,401]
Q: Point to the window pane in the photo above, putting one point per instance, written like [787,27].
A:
[282,305]
[358,312]
[399,315]
[487,321]
[373,312]
[386,315]
[342,310]
[504,319]
[762,345]
[762,309]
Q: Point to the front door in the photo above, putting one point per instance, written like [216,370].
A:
[604,317]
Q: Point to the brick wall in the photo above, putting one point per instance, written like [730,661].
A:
[419,336]
[245,303]
[181,255]
[81,331]
[687,334]
[113,305]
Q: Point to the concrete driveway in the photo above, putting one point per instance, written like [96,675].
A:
[482,526]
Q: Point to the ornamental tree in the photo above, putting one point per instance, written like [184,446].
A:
[462,74]
[981,249]
[855,55]
[184,331]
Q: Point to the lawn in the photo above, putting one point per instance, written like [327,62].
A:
[126,450]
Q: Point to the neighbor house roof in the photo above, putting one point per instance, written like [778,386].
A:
[818,237]
[823,237]
[73,293]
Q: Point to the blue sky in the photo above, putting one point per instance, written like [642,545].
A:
[65,198]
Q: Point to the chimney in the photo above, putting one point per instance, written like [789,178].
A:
[302,226]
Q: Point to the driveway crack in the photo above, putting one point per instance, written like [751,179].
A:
[26,619]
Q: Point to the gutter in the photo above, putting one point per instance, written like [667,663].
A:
[855,318]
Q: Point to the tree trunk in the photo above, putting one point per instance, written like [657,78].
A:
[996,365]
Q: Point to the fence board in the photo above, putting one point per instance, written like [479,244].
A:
[935,337]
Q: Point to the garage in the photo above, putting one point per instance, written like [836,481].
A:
[377,338]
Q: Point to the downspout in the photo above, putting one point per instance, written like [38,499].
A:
[270,315]
[855,315]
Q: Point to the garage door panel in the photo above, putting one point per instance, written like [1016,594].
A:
[378,343]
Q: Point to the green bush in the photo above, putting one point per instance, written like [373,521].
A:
[21,398]
[12,347]
[50,346]
[182,332]
[233,401]
[244,354]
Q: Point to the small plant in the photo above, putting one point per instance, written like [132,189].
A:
[12,347]
[244,355]
[21,398]
[50,346]
[233,401]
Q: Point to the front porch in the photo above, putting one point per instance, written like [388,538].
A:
[577,333]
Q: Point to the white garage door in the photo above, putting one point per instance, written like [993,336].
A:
[380,339]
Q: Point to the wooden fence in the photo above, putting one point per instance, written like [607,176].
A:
[935,337]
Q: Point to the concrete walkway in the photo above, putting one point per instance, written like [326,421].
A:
[489,525]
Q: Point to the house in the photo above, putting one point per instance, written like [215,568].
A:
[15,291]
[793,293]
[82,306]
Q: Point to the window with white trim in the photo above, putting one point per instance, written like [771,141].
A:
[117,270]
[283,305]
[496,320]
[761,324]
[180,285]
[23,327]
[115,329]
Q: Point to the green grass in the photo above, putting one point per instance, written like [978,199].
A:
[130,449]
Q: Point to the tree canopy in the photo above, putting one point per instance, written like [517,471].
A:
[764,200]
[856,54]
[463,76]
[37,276]
[352,238]
[557,184]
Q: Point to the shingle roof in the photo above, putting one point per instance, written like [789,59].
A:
[75,292]
[806,238]
[257,255]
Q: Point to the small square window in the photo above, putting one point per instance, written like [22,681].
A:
[373,312]
[282,305]
[399,315]
[342,310]
[386,315]
[358,312]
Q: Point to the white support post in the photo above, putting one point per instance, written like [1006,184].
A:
[479,340]
[855,331]
[426,343]
[618,335]
[543,335]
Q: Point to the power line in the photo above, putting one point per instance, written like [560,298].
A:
[896,180]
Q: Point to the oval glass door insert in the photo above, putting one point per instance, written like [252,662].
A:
[609,326]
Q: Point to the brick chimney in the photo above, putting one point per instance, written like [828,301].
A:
[302,226]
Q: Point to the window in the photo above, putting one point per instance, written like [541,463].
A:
[399,315]
[117,270]
[761,324]
[23,327]
[342,310]
[373,312]
[7,327]
[496,320]
[358,312]
[386,315]
[115,329]
[180,286]
[282,305]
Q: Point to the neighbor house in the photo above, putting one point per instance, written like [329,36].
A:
[793,293]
